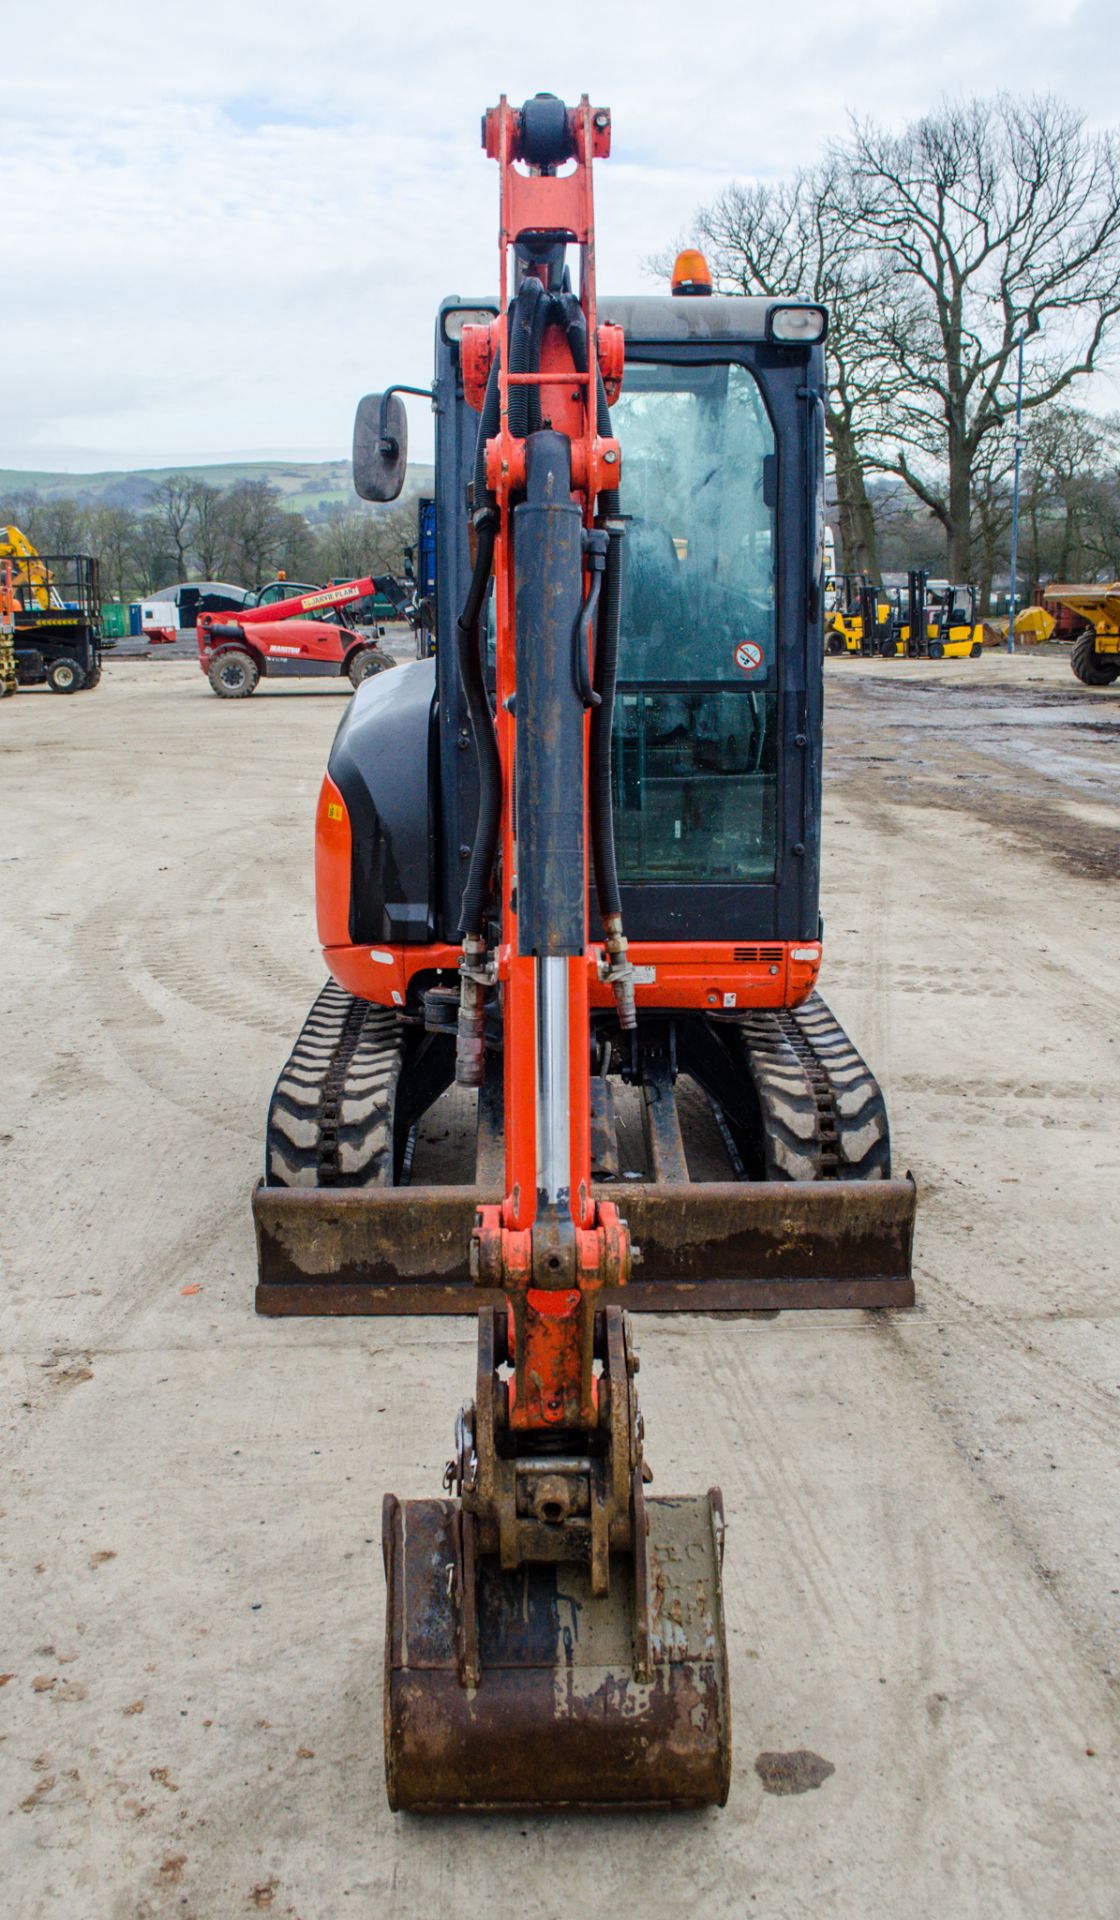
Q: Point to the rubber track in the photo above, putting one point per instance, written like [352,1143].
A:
[824,1117]
[330,1119]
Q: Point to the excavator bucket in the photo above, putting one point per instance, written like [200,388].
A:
[575,1701]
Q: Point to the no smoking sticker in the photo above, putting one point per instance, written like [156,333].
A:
[748,656]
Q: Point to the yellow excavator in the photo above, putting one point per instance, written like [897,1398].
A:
[30,577]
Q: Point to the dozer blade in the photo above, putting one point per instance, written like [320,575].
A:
[705,1247]
[559,1716]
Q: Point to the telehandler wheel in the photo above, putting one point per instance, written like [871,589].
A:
[92,678]
[1093,669]
[366,662]
[65,676]
[233,674]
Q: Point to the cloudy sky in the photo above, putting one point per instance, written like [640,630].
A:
[225,220]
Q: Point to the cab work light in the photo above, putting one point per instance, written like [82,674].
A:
[799,326]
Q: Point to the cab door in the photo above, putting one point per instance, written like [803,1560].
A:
[698,714]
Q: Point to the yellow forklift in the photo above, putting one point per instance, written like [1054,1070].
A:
[931,623]
[859,608]
[939,624]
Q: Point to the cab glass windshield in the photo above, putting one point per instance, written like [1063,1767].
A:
[695,771]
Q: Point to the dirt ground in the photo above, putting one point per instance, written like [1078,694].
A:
[923,1564]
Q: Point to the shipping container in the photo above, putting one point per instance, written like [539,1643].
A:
[114,620]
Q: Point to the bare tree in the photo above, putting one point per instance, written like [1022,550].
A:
[154,558]
[354,542]
[907,534]
[992,480]
[112,537]
[794,238]
[297,548]
[1102,522]
[60,525]
[209,531]
[1005,217]
[173,502]
[24,509]
[1065,454]
[258,530]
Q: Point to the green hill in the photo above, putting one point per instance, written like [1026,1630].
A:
[308,486]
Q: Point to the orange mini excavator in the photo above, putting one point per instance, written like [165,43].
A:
[626,690]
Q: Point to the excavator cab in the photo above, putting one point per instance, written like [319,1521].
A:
[567,864]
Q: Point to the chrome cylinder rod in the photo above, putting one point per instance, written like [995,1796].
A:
[553,1111]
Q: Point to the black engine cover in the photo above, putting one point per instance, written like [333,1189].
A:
[384,762]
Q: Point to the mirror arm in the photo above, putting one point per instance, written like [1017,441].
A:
[389,446]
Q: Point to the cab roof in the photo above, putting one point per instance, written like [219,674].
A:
[662,316]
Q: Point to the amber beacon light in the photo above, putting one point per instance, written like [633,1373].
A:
[691,272]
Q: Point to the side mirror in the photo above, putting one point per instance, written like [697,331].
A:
[380,446]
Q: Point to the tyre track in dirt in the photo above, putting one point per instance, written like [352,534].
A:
[191,1516]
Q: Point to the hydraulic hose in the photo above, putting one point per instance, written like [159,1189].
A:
[489,421]
[468,644]
[606,646]
[531,310]
[605,677]
[528,317]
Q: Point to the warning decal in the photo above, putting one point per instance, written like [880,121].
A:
[748,656]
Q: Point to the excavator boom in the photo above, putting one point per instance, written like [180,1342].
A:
[553,1639]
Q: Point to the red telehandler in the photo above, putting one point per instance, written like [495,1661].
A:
[555,1636]
[234,650]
